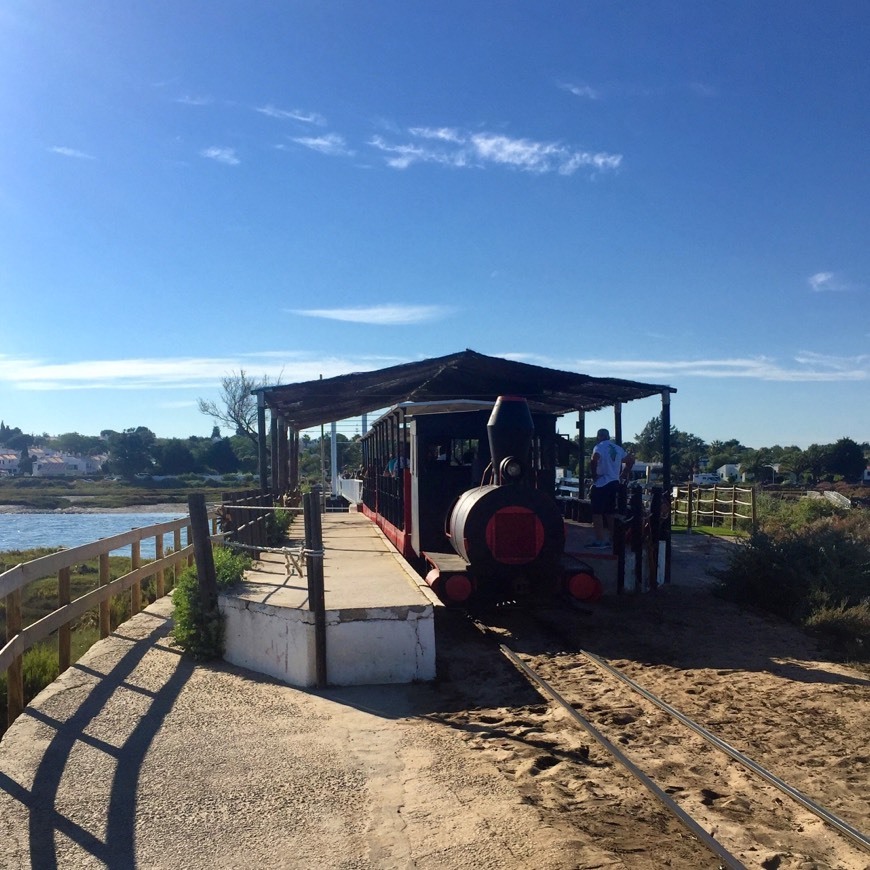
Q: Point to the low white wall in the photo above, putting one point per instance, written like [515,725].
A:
[363,647]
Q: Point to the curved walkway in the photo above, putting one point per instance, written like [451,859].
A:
[139,758]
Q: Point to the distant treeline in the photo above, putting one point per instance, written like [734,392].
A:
[140,451]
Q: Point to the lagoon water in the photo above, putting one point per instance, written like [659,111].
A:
[25,531]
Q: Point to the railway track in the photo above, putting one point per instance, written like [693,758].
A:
[742,813]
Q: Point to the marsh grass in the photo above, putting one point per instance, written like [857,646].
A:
[813,570]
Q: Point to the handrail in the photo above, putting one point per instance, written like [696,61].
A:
[48,624]
[35,569]
[20,638]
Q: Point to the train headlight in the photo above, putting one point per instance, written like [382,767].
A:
[511,469]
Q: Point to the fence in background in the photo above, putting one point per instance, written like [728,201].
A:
[694,506]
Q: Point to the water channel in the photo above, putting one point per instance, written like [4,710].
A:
[25,531]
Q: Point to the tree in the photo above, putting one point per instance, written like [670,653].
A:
[220,457]
[246,453]
[25,463]
[846,458]
[686,449]
[813,461]
[237,407]
[81,445]
[21,441]
[7,432]
[130,452]
[175,457]
[648,444]
[753,463]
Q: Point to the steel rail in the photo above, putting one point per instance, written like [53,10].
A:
[825,815]
[728,860]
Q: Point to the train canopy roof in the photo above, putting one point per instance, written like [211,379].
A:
[465,375]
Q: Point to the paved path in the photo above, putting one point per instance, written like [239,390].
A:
[139,758]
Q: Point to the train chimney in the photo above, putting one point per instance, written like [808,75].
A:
[510,429]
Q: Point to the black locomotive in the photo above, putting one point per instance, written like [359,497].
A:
[465,491]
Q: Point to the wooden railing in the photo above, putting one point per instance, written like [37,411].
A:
[20,638]
[244,516]
[713,506]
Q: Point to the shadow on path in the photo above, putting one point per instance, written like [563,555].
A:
[45,820]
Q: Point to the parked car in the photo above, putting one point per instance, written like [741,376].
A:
[706,479]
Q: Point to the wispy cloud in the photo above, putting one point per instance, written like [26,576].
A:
[829,282]
[585,91]
[806,367]
[331,144]
[227,156]
[203,373]
[447,146]
[271,111]
[188,100]
[170,373]
[383,315]
[71,152]
[442,134]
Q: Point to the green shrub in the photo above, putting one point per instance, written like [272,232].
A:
[817,576]
[777,516]
[277,523]
[847,628]
[199,632]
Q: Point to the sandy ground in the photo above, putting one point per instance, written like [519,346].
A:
[759,684]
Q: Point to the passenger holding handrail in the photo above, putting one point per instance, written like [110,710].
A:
[609,465]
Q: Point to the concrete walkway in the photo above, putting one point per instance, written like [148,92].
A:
[137,757]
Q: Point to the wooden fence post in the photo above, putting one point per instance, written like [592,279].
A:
[754,514]
[15,673]
[160,580]
[64,633]
[205,572]
[105,606]
[136,588]
[176,545]
[314,573]
[689,500]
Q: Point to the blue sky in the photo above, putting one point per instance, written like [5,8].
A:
[672,192]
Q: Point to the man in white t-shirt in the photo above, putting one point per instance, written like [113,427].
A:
[609,465]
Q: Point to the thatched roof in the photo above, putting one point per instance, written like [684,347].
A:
[464,375]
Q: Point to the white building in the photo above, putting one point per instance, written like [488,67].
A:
[47,463]
[729,473]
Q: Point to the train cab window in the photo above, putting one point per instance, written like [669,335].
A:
[463,451]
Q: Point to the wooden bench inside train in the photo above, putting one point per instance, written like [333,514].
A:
[455,504]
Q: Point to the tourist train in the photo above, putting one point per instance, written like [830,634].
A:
[465,490]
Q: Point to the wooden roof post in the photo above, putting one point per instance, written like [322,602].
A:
[581,450]
[617,421]
[666,476]
[273,452]
[666,440]
[294,459]
[282,456]
[263,458]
